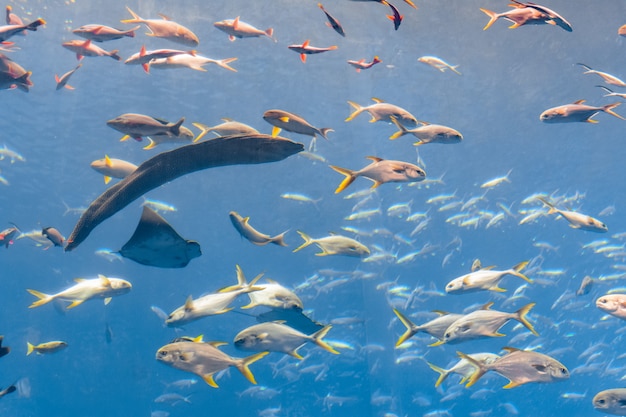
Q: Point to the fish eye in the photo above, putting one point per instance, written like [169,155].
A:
[162,353]
[601,401]
[447,335]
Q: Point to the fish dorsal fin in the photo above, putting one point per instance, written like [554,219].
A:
[162,121]
[236,23]
[246,220]
[579,102]
[441,312]
[227,119]
[79,279]
[305,43]
[107,161]
[271,281]
[198,339]
[104,280]
[510,349]
[278,322]
[86,44]
[142,51]
[374,158]
[217,344]
[377,100]
[164,17]
[487,268]
[487,306]
[189,304]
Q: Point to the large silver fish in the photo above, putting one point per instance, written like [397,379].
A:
[611,401]
[278,337]
[381,171]
[520,367]
[167,166]
[204,359]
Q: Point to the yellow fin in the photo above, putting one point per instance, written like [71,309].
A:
[443,373]
[107,179]
[29,348]
[319,335]
[275,131]
[107,301]
[75,303]
[209,380]
[243,365]
[409,328]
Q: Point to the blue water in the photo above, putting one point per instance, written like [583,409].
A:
[508,78]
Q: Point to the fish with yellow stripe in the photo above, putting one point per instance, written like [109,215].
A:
[381,171]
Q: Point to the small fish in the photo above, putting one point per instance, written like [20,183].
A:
[166,28]
[158,206]
[395,17]
[613,304]
[361,64]
[521,14]
[332,22]
[63,80]
[102,33]
[85,289]
[577,112]
[381,111]
[85,48]
[5,152]
[8,31]
[290,122]
[139,125]
[113,168]
[520,367]
[577,220]
[622,30]
[254,236]
[304,49]
[608,78]
[611,401]
[53,235]
[173,398]
[45,348]
[235,28]
[496,181]
[204,359]
[229,127]
[278,337]
[484,279]
[334,245]
[438,63]
[302,198]
[381,171]
[428,133]
[144,57]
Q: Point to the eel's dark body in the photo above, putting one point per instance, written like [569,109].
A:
[167,166]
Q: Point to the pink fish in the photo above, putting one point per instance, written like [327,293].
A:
[305,50]
[361,64]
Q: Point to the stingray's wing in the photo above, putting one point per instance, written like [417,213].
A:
[156,243]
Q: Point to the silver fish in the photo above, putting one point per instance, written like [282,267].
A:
[611,401]
[381,171]
[520,367]
[334,245]
[381,111]
[484,279]
[278,337]
[243,227]
[204,359]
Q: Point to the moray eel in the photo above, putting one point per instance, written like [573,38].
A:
[167,166]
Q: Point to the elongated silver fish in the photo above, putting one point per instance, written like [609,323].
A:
[243,227]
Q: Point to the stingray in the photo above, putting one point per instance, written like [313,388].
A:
[293,317]
[156,243]
[167,166]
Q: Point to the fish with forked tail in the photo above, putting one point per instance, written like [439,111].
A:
[381,171]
